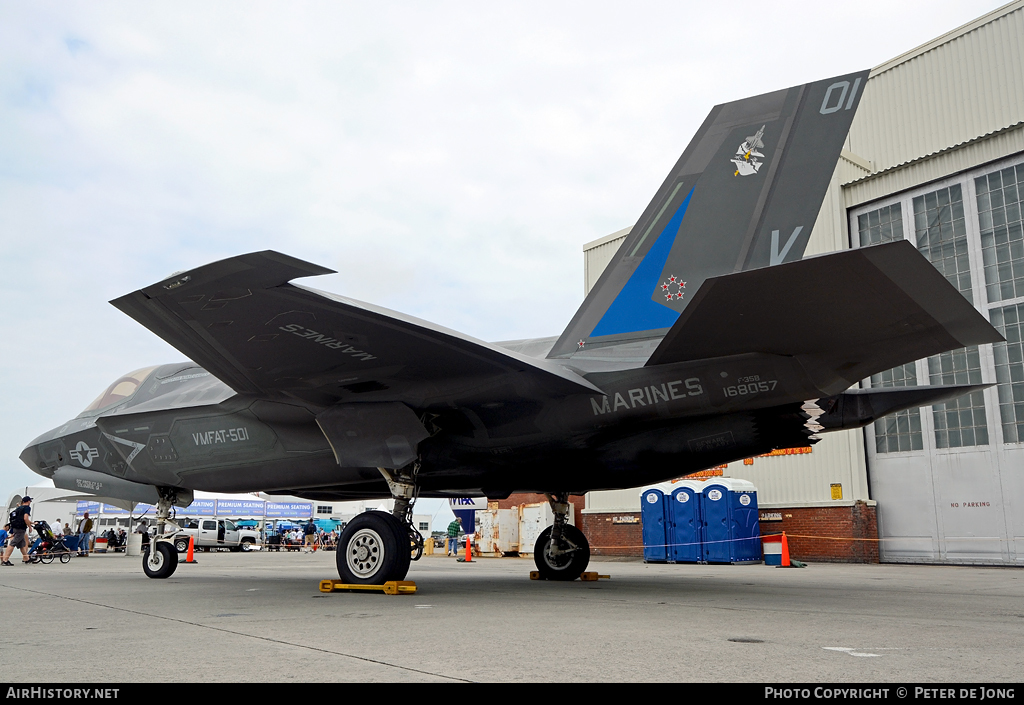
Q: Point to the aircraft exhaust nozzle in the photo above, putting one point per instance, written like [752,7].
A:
[859,407]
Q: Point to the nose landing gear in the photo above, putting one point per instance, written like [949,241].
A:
[159,558]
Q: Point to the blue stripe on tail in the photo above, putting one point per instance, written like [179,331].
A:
[633,309]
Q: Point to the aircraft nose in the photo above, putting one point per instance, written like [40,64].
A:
[30,456]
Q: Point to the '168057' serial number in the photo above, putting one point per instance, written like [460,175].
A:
[750,388]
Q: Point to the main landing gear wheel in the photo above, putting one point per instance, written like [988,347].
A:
[161,562]
[570,562]
[374,549]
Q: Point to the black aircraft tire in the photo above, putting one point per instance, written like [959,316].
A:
[166,560]
[568,567]
[374,549]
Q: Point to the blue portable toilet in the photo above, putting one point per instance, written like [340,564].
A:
[684,522]
[715,524]
[746,524]
[731,530]
[654,523]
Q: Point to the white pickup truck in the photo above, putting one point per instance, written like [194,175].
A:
[216,533]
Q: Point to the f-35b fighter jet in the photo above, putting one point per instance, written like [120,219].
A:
[707,339]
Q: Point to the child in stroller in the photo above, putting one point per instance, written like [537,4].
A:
[47,546]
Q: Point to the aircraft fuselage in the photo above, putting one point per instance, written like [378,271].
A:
[652,423]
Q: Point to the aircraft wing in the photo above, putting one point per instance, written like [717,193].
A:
[845,315]
[243,321]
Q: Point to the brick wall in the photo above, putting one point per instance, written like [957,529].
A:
[817,533]
[832,530]
[609,539]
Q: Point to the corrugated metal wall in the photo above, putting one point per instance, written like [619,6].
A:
[962,78]
[980,151]
[597,255]
[795,480]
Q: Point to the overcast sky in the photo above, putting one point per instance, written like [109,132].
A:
[448,159]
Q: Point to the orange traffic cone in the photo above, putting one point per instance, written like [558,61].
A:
[191,549]
[469,549]
[785,551]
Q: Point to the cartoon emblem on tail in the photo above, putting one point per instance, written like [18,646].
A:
[746,160]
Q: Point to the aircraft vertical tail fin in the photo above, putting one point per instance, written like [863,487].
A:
[744,194]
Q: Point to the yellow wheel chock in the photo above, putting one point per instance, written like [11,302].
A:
[392,587]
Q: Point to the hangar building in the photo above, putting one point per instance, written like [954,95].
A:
[936,156]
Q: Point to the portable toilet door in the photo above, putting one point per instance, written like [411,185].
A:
[716,525]
[653,525]
[684,525]
[746,525]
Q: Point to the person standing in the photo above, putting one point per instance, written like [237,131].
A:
[453,536]
[309,537]
[21,519]
[84,532]
[143,528]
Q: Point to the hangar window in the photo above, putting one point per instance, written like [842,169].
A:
[1002,235]
[941,232]
[1009,358]
[901,431]
[960,422]
[882,225]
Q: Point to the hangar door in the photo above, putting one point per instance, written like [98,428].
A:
[949,479]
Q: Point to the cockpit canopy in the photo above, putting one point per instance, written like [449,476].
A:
[123,388]
[159,387]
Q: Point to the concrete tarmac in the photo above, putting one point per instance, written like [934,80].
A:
[255,617]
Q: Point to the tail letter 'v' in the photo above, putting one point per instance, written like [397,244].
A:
[777,257]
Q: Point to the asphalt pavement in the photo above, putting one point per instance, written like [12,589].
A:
[254,617]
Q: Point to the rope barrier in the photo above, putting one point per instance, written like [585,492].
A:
[805,536]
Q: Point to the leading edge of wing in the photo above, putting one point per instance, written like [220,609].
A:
[261,270]
[495,352]
[159,308]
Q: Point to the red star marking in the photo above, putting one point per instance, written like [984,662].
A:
[671,279]
[668,297]
[665,287]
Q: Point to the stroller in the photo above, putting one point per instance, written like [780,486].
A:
[48,546]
